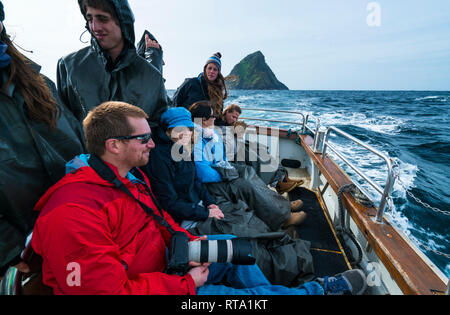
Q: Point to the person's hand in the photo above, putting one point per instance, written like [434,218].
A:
[215,212]
[194,263]
[22,267]
[151,43]
[201,238]
[200,274]
[213,206]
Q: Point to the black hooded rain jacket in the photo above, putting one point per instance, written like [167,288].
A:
[86,79]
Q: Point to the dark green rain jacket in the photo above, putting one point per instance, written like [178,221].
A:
[85,79]
[32,158]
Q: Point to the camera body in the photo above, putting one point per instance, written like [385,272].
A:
[237,251]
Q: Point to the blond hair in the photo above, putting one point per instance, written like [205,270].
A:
[232,108]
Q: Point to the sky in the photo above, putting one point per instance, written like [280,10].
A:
[309,45]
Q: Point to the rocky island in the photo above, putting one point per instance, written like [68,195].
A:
[253,73]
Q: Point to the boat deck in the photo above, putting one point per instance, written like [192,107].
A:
[329,258]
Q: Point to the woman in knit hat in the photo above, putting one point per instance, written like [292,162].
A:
[208,86]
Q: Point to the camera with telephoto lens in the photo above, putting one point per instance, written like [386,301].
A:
[237,251]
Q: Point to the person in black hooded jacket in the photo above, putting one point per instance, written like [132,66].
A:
[173,178]
[37,137]
[208,86]
[110,68]
[191,91]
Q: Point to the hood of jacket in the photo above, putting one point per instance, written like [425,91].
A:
[153,55]
[164,143]
[125,16]
[160,137]
[79,171]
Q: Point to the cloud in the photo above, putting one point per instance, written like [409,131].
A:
[299,38]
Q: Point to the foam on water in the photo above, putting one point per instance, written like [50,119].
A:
[407,173]
[440,98]
[382,124]
[245,99]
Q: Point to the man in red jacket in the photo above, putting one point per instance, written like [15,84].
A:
[92,237]
[95,239]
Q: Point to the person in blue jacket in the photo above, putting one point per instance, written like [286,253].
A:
[209,154]
[174,179]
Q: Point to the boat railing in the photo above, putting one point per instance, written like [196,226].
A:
[386,192]
[304,123]
[322,143]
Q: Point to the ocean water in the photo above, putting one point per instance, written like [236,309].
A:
[413,128]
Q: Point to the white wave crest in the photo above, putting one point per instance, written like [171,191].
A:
[441,98]
[381,124]
[407,173]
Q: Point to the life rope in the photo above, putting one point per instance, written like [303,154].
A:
[343,229]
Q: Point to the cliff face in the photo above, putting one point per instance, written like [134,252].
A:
[253,73]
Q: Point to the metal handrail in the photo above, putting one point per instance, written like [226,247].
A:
[272,120]
[304,124]
[386,192]
[317,125]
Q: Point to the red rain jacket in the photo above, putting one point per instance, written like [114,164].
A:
[94,239]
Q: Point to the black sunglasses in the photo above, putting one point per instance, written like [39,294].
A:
[209,116]
[143,138]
